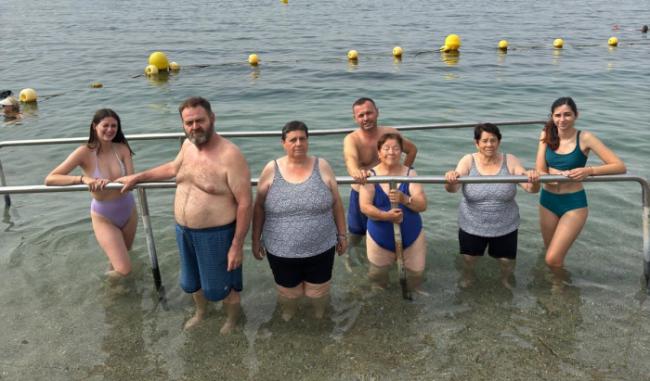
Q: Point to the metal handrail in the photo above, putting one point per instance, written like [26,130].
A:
[253,134]
[234,134]
[144,207]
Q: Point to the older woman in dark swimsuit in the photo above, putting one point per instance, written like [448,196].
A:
[299,222]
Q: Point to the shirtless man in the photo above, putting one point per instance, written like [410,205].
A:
[212,209]
[360,154]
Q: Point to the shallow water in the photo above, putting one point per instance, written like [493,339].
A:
[62,322]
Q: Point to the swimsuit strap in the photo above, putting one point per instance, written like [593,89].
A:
[278,174]
[404,187]
[315,171]
[97,174]
[578,141]
[503,164]
[122,167]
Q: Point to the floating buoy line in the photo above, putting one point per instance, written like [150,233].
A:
[159,64]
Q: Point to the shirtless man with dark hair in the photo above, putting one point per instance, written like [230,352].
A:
[360,154]
[212,209]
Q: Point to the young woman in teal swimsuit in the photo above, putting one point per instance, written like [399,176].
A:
[563,150]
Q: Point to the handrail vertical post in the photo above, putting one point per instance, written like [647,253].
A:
[3,182]
[151,246]
[646,233]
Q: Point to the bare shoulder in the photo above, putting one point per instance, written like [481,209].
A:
[542,135]
[351,138]
[464,164]
[324,165]
[467,159]
[587,136]
[510,158]
[512,161]
[268,169]
[267,175]
[229,150]
[82,152]
[411,171]
[123,149]
[351,145]
[383,130]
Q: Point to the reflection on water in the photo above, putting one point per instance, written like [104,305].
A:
[557,55]
[501,57]
[255,73]
[560,317]
[450,58]
[353,65]
[123,341]
[6,218]
[484,332]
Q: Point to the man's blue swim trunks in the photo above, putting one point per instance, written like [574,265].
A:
[357,221]
[204,261]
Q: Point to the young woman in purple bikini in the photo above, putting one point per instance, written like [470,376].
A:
[105,157]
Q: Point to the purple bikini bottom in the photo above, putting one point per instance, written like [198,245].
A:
[117,210]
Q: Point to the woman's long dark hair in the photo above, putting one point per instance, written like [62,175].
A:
[119,136]
[551,136]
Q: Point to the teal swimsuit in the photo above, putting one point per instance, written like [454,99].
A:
[560,203]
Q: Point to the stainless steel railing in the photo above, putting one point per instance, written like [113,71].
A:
[151,248]
[241,134]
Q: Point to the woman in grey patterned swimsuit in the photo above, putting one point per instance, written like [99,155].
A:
[299,222]
[488,215]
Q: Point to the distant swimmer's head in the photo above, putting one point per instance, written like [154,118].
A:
[198,120]
[106,126]
[10,106]
[365,113]
[644,29]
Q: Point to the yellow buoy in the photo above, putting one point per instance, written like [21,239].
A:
[503,45]
[353,55]
[397,52]
[253,59]
[28,95]
[159,60]
[174,66]
[558,43]
[613,41]
[96,85]
[284,1]
[452,43]
[151,70]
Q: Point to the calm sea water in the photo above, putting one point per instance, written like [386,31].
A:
[60,321]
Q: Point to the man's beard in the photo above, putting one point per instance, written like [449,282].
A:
[199,138]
